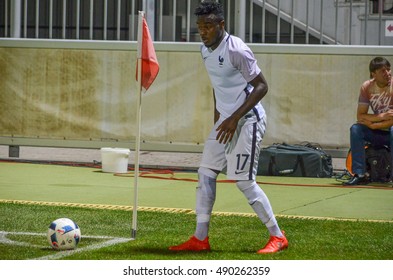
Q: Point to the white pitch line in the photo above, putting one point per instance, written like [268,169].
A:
[7,241]
[67,253]
[62,254]
[43,234]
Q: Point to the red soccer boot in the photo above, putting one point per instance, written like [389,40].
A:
[193,244]
[274,245]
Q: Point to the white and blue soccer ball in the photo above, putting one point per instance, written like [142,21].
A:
[64,234]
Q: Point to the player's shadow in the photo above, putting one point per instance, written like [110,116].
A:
[166,252]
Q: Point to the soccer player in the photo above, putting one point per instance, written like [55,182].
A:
[240,121]
[375,128]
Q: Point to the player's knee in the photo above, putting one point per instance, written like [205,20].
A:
[250,189]
[245,185]
[203,171]
[206,190]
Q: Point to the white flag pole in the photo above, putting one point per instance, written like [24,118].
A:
[138,124]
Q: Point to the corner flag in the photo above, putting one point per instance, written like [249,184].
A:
[146,71]
[146,52]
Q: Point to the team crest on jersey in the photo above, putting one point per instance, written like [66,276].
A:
[220,60]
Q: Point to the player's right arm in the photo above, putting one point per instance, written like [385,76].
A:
[216,113]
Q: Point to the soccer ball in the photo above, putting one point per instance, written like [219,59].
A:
[63,234]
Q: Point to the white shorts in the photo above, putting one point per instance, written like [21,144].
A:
[241,155]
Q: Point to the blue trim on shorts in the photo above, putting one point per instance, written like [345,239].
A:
[255,110]
[253,148]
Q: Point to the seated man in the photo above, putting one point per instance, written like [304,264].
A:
[375,128]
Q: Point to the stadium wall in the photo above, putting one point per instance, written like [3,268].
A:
[82,94]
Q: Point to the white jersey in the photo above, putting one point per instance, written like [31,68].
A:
[231,66]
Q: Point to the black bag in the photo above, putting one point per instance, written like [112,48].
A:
[378,163]
[301,160]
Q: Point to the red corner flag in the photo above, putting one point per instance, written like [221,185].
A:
[150,66]
[145,75]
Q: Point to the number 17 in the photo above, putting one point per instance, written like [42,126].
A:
[241,161]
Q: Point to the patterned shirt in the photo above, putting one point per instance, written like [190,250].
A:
[379,99]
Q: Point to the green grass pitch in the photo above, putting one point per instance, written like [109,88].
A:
[106,236]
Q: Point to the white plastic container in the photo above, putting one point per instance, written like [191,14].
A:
[114,160]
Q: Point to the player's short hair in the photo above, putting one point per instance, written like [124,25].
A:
[377,63]
[208,8]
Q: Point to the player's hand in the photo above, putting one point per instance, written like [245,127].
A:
[226,130]
[387,115]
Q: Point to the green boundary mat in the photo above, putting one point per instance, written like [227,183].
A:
[90,187]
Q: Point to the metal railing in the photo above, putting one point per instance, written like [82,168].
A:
[348,22]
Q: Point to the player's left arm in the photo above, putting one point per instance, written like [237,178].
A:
[228,127]
[260,89]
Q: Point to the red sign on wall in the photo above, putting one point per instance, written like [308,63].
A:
[389,28]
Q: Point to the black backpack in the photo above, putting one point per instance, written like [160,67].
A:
[378,163]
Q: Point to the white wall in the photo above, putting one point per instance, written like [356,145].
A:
[82,94]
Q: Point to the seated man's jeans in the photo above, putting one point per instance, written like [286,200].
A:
[360,135]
